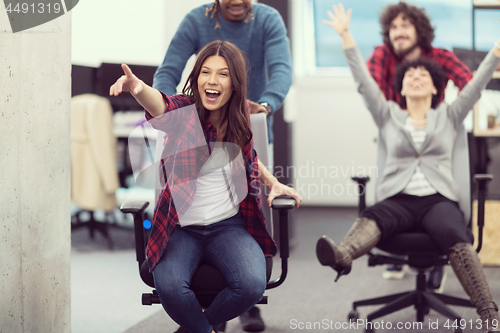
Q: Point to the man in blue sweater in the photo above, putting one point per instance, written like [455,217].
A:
[259,31]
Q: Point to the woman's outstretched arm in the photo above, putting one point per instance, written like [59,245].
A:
[148,97]
[472,91]
[376,104]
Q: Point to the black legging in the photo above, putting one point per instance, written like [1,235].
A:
[435,215]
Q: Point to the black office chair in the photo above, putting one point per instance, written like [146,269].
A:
[420,251]
[207,281]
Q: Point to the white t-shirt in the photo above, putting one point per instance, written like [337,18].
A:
[214,200]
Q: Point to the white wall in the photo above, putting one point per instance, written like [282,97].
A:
[333,140]
[118,31]
[35,89]
[333,133]
[125,31]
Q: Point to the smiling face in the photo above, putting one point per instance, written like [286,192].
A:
[417,83]
[234,10]
[214,83]
[403,35]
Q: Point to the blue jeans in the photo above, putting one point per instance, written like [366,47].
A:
[225,245]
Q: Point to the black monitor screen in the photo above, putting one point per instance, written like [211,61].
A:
[83,80]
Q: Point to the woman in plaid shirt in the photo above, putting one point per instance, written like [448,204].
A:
[209,207]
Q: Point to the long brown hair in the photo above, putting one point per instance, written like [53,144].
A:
[238,128]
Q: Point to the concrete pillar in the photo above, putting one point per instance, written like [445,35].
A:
[35,90]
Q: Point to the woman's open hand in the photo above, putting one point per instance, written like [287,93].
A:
[340,20]
[128,83]
[281,189]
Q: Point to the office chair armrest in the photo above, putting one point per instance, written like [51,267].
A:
[283,204]
[137,208]
[481,180]
[134,207]
[382,259]
[362,192]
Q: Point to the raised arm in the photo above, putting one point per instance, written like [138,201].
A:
[375,102]
[340,21]
[148,97]
[470,94]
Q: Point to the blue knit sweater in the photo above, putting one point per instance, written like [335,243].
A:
[263,41]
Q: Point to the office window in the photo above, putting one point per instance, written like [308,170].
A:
[452,20]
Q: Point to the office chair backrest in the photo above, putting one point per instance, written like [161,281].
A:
[460,169]
[258,123]
[259,129]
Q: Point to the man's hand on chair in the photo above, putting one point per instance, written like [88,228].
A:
[256,107]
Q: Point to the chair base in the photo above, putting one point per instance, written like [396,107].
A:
[94,225]
[423,301]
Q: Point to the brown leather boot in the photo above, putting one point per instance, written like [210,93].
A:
[469,271]
[361,238]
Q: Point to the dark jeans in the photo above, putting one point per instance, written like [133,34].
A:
[225,245]
[435,215]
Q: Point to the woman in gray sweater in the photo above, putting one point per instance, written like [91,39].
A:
[417,187]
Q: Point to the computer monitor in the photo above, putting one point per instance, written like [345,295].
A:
[83,80]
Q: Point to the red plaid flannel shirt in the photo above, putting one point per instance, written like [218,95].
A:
[166,216]
[382,65]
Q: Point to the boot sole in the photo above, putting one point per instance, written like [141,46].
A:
[325,253]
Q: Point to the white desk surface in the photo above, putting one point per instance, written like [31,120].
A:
[126,125]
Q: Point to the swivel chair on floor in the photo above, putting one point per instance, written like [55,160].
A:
[420,251]
[207,281]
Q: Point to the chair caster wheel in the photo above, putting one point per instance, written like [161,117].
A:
[353,315]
